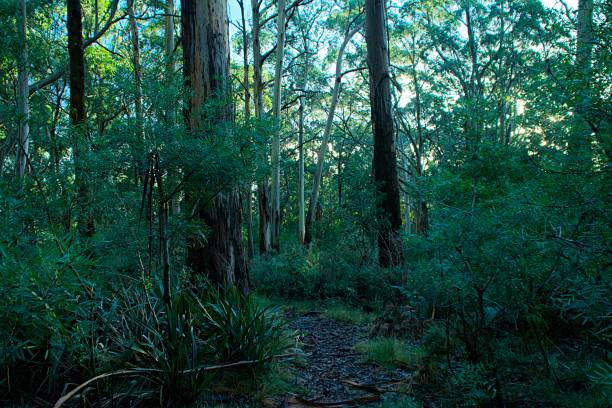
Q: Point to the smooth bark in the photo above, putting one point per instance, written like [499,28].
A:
[276,107]
[316,183]
[262,185]
[247,117]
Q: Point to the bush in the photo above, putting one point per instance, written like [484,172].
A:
[339,272]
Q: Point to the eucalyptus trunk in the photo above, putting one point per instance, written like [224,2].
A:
[276,107]
[384,160]
[262,185]
[247,117]
[206,69]
[579,144]
[137,68]
[23,103]
[78,118]
[316,182]
[301,204]
[169,55]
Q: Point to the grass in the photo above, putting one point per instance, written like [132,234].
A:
[390,352]
[331,309]
[344,313]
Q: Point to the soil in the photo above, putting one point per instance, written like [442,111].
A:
[334,374]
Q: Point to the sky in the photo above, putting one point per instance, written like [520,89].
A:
[234,10]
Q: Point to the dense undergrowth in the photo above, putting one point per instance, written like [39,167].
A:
[505,301]
[62,326]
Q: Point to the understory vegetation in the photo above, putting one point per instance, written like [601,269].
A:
[428,182]
[496,302]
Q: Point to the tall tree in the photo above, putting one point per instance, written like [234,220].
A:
[138,108]
[206,70]
[276,106]
[169,54]
[384,161]
[247,116]
[78,118]
[23,103]
[262,185]
[316,182]
[580,139]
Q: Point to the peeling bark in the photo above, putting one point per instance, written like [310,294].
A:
[206,70]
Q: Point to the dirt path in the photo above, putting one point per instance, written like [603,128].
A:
[334,372]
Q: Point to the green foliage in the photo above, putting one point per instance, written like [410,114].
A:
[505,295]
[389,352]
[400,402]
[239,330]
[343,313]
[502,268]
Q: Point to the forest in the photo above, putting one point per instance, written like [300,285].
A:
[305,203]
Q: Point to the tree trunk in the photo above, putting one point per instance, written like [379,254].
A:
[579,145]
[23,103]
[384,161]
[169,55]
[262,189]
[301,204]
[406,179]
[276,101]
[206,70]
[247,117]
[421,218]
[316,182]
[264,216]
[140,131]
[169,80]
[78,117]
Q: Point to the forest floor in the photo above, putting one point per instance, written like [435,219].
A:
[333,373]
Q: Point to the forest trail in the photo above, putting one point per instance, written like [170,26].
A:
[334,374]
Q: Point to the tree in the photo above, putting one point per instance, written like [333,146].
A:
[78,118]
[580,138]
[276,101]
[138,108]
[247,118]
[316,183]
[23,102]
[384,161]
[169,53]
[262,185]
[206,70]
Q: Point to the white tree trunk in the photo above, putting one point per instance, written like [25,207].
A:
[316,183]
[262,185]
[276,101]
